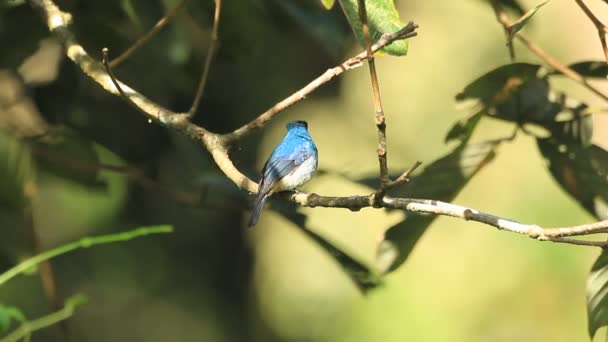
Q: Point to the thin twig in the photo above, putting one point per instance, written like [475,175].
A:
[354,62]
[554,63]
[404,177]
[149,35]
[379,117]
[602,30]
[201,86]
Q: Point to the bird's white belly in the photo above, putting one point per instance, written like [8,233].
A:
[302,174]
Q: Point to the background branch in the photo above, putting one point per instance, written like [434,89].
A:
[503,18]
[201,86]
[149,35]
[602,30]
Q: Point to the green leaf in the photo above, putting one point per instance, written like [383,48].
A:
[64,153]
[495,86]
[581,171]
[597,295]
[9,314]
[442,180]
[328,4]
[382,17]
[364,276]
[16,169]
[519,24]
[463,129]
[593,69]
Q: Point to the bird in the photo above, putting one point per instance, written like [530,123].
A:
[292,163]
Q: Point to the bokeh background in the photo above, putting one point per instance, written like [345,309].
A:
[215,280]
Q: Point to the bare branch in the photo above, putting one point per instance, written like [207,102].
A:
[602,30]
[404,178]
[425,206]
[217,144]
[379,117]
[407,32]
[201,86]
[554,63]
[149,35]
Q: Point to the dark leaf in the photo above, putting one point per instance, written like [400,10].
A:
[521,22]
[318,23]
[364,276]
[382,17]
[576,131]
[442,180]
[529,102]
[595,69]
[581,171]
[16,169]
[65,154]
[597,291]
[463,129]
[512,5]
[495,86]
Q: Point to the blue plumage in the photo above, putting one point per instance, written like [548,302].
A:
[292,163]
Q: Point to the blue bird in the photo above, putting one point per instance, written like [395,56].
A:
[292,163]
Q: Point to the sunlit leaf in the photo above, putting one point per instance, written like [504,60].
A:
[382,17]
[519,24]
[441,180]
[328,4]
[495,86]
[16,169]
[581,171]
[463,129]
[597,295]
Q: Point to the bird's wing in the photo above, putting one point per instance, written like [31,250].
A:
[276,169]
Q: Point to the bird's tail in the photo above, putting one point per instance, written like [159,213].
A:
[257,209]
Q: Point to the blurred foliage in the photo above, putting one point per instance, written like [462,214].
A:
[76,161]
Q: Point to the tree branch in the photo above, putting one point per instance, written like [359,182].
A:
[554,63]
[427,206]
[407,32]
[149,35]
[217,144]
[602,30]
[201,86]
[379,118]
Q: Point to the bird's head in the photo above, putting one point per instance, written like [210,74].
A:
[297,124]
